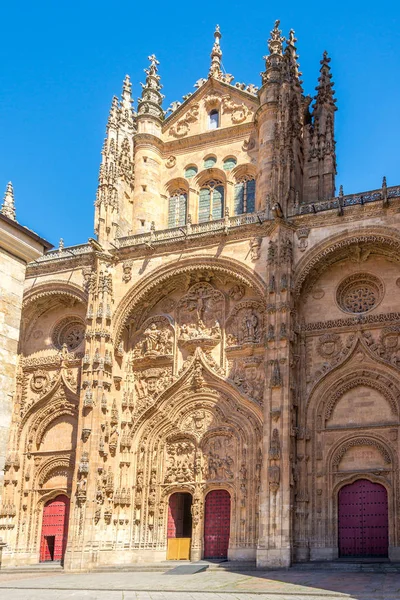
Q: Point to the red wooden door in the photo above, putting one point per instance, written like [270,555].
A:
[54,529]
[363,519]
[217,522]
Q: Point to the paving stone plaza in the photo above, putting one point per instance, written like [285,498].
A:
[209,585]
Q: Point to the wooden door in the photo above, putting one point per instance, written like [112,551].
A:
[363,520]
[54,529]
[217,520]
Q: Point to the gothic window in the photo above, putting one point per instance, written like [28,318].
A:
[245,196]
[213,119]
[177,209]
[190,171]
[211,201]
[209,162]
[229,163]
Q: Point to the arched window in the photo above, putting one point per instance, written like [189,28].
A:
[211,201]
[213,119]
[245,196]
[177,209]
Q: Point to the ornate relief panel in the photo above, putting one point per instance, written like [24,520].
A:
[200,316]
[245,324]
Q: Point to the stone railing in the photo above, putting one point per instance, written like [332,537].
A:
[67,252]
[349,200]
[191,231]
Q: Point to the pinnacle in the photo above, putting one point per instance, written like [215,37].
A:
[216,55]
[151,100]
[8,207]
[325,91]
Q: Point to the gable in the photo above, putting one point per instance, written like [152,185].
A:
[192,118]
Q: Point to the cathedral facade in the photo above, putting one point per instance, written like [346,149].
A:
[217,373]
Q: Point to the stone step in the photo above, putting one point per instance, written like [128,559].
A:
[168,565]
[351,566]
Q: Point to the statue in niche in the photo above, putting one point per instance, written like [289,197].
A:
[250,327]
[244,325]
[249,376]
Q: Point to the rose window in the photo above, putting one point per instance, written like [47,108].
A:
[359,293]
[70,332]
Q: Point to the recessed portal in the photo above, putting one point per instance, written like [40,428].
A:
[217,524]
[179,532]
[363,520]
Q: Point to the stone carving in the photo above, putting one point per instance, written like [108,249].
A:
[286,252]
[218,452]
[70,332]
[170,162]
[359,293]
[40,381]
[149,384]
[156,339]
[245,325]
[329,345]
[255,248]
[180,462]
[248,374]
[239,112]
[276,379]
[200,315]
[198,422]
[182,126]
[237,292]
[275,446]
[272,253]
[127,271]
[302,235]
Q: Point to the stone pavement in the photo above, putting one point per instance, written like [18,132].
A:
[209,585]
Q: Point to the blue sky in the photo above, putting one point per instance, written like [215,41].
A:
[61,62]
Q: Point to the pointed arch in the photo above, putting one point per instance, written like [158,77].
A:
[155,283]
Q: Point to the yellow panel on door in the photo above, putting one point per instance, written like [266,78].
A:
[178,549]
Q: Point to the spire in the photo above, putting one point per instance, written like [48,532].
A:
[325,91]
[151,100]
[8,206]
[216,56]
[274,61]
[112,122]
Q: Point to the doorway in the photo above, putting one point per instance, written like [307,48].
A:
[179,530]
[54,529]
[217,524]
[363,520]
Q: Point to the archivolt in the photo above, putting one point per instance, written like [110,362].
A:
[382,385]
[379,240]
[158,278]
[359,441]
[64,462]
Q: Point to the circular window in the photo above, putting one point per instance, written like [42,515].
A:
[69,331]
[359,293]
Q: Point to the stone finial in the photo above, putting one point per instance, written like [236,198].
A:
[151,100]
[8,207]
[276,40]
[325,91]
[216,55]
[127,114]
[61,245]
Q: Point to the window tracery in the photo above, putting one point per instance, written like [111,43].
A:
[245,195]
[211,201]
[359,293]
[177,208]
[69,331]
